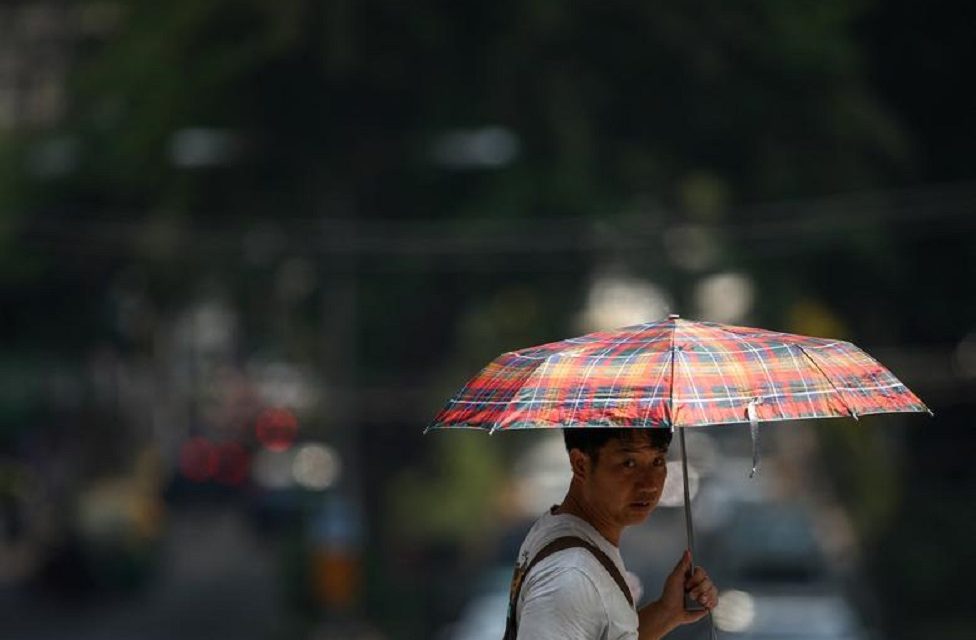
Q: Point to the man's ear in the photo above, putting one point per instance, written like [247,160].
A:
[579,462]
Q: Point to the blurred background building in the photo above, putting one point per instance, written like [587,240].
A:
[248,249]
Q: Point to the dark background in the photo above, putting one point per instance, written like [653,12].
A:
[213,210]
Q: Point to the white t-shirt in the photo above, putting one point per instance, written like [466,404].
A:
[570,595]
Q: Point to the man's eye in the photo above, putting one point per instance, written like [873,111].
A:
[630,463]
[659,462]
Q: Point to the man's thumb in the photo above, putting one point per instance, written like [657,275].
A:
[682,567]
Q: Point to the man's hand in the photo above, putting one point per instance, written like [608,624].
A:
[662,616]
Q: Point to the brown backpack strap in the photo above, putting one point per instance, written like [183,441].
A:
[559,544]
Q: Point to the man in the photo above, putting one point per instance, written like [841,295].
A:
[568,581]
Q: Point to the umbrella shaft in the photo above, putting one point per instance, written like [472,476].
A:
[691,605]
[684,476]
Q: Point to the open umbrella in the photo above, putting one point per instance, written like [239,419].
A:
[673,374]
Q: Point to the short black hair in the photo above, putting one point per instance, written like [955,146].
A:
[590,440]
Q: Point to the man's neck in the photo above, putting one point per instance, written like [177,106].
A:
[574,504]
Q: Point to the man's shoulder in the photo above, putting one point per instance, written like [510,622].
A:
[559,551]
[578,559]
[556,550]
[551,527]
[561,557]
[567,531]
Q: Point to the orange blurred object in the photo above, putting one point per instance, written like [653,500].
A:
[336,578]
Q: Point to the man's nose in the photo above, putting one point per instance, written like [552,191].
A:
[649,477]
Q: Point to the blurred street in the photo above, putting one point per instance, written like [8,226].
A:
[215,579]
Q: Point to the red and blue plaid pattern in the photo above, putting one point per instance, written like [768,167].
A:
[675,373]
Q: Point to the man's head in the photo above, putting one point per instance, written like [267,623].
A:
[618,474]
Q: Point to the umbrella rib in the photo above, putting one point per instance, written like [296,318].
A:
[540,371]
[773,335]
[543,366]
[674,329]
[762,364]
[802,379]
[698,400]
[840,394]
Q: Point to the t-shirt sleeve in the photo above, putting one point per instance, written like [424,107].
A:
[562,604]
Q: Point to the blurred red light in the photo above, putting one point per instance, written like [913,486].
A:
[276,429]
[233,465]
[198,459]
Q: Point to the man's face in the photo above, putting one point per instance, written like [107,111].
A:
[626,480]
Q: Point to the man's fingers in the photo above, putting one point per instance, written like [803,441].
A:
[706,595]
[699,588]
[696,584]
[697,579]
[697,575]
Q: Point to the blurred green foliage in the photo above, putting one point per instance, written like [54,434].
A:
[453,503]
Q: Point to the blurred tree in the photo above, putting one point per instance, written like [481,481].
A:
[606,101]
[195,120]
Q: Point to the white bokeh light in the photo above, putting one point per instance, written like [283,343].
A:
[483,148]
[541,475]
[616,301]
[724,297]
[735,612]
[673,494]
[316,466]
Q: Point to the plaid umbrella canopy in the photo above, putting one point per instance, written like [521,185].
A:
[675,373]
